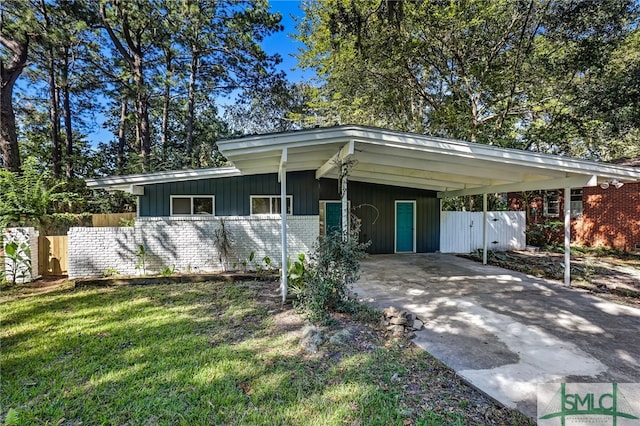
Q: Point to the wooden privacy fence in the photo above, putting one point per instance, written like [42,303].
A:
[110,219]
[52,255]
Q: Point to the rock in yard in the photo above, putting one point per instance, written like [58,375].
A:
[418,325]
[390,312]
[398,321]
[341,337]
[311,339]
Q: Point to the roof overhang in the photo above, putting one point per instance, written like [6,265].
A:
[449,167]
[135,183]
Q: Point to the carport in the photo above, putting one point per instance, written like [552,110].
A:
[503,331]
[450,167]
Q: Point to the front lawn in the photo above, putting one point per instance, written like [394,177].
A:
[210,353]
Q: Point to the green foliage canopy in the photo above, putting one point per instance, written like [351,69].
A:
[517,74]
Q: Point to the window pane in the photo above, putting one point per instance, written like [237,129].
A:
[552,205]
[260,205]
[181,205]
[203,205]
[275,205]
[288,205]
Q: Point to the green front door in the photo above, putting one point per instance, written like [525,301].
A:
[405,229]
[333,217]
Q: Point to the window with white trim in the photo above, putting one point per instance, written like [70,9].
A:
[269,204]
[188,205]
[576,202]
[552,204]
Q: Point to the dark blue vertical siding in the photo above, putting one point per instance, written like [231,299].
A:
[232,194]
[375,206]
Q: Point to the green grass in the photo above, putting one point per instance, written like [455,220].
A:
[189,354]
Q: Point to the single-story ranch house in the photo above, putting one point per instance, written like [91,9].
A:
[393,181]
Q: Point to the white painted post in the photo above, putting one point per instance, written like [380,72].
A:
[484,229]
[345,206]
[567,237]
[283,214]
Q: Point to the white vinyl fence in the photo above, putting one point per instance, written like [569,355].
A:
[461,232]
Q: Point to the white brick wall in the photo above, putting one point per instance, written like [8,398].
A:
[187,243]
[21,235]
[93,250]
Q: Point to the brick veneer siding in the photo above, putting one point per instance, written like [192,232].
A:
[610,218]
[22,235]
[185,242]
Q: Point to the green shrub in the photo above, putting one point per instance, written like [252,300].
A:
[545,234]
[324,285]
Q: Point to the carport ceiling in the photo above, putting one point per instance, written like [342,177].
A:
[450,167]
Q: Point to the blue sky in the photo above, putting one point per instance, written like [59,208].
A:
[283,42]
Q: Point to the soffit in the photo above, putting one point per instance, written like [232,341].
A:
[450,167]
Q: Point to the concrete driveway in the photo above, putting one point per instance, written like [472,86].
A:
[503,331]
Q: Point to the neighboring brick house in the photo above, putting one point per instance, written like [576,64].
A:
[607,215]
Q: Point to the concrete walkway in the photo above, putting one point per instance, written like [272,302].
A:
[503,331]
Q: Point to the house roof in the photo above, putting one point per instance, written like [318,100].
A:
[450,167]
[130,182]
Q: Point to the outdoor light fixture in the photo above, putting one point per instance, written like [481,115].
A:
[615,182]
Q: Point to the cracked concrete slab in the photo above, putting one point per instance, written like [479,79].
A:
[503,331]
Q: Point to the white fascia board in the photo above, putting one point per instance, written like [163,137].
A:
[253,145]
[568,182]
[127,182]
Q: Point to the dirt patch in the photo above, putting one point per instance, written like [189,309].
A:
[427,384]
[613,278]
[42,285]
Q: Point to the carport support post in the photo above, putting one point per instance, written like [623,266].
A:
[484,229]
[282,176]
[567,237]
[345,205]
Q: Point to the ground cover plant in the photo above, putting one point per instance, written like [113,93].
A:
[609,274]
[211,353]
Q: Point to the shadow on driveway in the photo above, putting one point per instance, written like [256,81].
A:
[503,331]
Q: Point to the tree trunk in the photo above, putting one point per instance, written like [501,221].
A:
[122,139]
[66,112]
[9,75]
[142,110]
[191,104]
[54,98]
[165,104]
[54,117]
